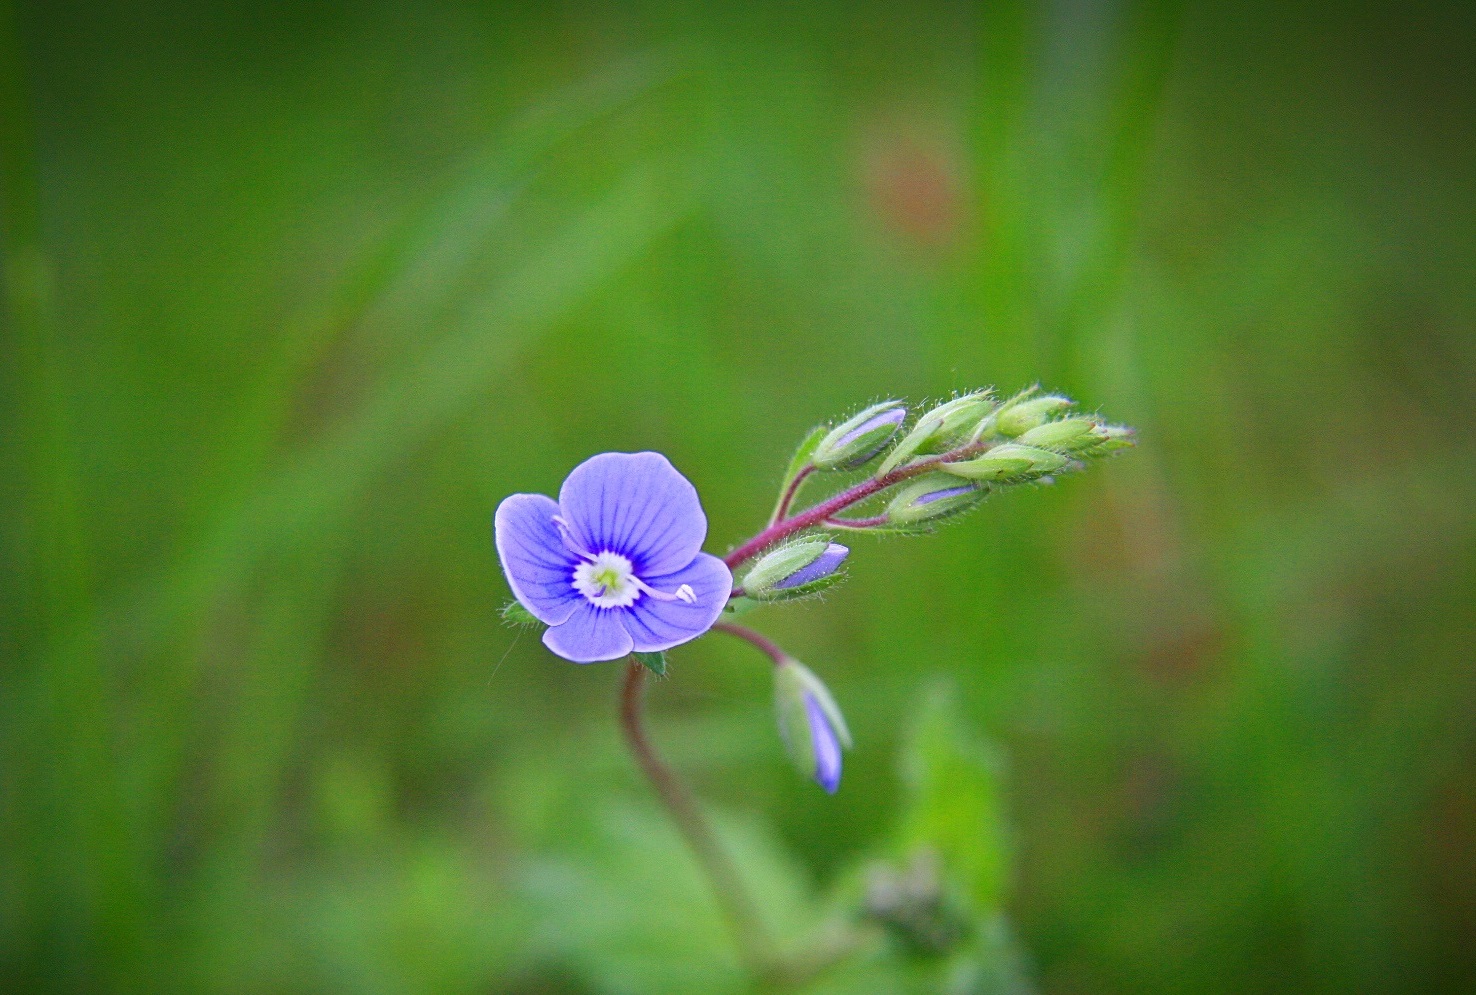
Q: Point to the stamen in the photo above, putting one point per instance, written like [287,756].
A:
[570,543]
[683,594]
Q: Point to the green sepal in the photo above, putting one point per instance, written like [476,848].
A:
[1021,416]
[515,615]
[739,606]
[654,662]
[1068,435]
[989,425]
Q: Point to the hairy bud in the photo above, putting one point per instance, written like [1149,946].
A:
[861,439]
[1010,462]
[810,723]
[1069,435]
[796,569]
[1017,419]
[932,497]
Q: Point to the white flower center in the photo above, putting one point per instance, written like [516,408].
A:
[607,580]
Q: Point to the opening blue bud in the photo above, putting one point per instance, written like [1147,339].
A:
[810,723]
[932,497]
[821,567]
[796,569]
[827,750]
[861,439]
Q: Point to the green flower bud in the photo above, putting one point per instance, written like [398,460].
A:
[1069,435]
[860,439]
[1008,462]
[1016,419]
[796,569]
[931,497]
[957,417]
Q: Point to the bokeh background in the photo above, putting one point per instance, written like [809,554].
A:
[295,293]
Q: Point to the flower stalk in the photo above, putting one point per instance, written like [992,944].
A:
[738,908]
[755,948]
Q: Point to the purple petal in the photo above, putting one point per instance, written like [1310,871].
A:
[539,569]
[822,566]
[827,750]
[938,495]
[892,417]
[590,635]
[659,625]
[637,505]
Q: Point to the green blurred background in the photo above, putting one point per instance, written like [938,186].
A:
[296,293]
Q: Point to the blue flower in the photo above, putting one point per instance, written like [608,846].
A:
[615,565]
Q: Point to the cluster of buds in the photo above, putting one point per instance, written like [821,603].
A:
[953,456]
[958,451]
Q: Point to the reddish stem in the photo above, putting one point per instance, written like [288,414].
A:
[791,492]
[733,898]
[786,527]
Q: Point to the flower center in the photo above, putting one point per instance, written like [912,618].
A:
[607,580]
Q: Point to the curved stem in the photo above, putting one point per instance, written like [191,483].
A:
[790,493]
[825,509]
[737,907]
[764,644]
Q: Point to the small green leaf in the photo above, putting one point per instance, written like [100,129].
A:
[797,464]
[514,614]
[654,662]
[955,806]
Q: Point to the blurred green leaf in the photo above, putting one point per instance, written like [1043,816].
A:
[954,805]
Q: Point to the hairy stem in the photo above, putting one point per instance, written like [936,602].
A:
[785,527]
[737,907]
[790,493]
